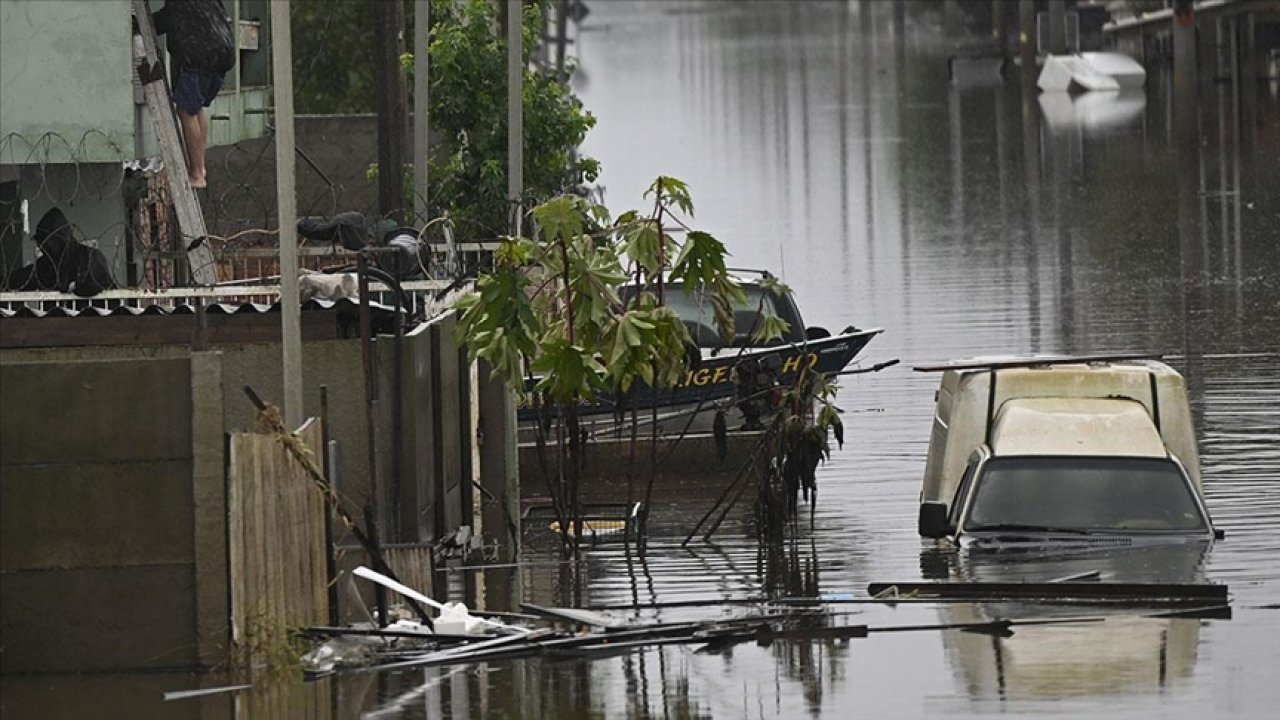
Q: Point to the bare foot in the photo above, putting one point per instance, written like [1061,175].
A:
[199,183]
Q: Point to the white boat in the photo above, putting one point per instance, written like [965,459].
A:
[1093,112]
[1088,72]
[1127,72]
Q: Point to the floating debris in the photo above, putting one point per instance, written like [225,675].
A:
[460,637]
[184,694]
[1063,590]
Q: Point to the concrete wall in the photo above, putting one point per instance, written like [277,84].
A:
[113,504]
[332,177]
[67,70]
[98,494]
[243,176]
[336,363]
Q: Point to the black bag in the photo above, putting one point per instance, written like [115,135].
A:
[200,35]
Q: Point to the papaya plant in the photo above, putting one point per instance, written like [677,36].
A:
[548,318]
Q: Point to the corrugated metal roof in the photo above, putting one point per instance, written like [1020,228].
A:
[63,311]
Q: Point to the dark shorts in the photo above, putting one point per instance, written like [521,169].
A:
[195,89]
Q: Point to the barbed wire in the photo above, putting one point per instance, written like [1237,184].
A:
[121,219]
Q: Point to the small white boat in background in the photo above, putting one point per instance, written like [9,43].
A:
[1088,72]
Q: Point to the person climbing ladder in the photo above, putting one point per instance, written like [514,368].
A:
[202,50]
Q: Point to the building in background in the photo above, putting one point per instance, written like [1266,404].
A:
[75,131]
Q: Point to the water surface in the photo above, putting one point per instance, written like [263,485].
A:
[824,144]
[827,147]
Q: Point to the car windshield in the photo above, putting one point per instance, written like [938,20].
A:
[1104,494]
[695,309]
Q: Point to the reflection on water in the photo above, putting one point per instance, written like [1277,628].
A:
[824,141]
[1113,656]
[1095,113]
[1176,562]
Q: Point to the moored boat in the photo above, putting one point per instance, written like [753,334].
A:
[742,378]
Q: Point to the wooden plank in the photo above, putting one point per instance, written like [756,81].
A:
[291,555]
[277,519]
[1157,592]
[995,363]
[235,537]
[262,511]
[585,618]
[311,519]
[190,219]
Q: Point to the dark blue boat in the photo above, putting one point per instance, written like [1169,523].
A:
[740,374]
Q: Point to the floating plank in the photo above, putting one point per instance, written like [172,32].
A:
[504,646]
[839,632]
[586,618]
[995,363]
[184,694]
[1140,592]
[997,628]
[1091,575]
[327,631]
[1213,612]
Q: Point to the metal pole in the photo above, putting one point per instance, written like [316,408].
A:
[1185,107]
[372,508]
[287,210]
[997,26]
[951,24]
[562,30]
[330,563]
[421,107]
[392,113]
[1057,27]
[1027,42]
[515,118]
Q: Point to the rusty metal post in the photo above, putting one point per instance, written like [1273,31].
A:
[1027,42]
[373,508]
[1057,23]
[330,565]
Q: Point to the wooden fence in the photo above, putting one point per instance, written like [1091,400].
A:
[275,528]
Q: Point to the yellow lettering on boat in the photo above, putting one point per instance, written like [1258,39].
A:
[813,360]
[721,373]
[701,377]
[791,364]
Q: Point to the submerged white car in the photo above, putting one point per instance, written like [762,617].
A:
[1062,449]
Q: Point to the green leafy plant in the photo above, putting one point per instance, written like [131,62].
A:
[549,319]
[799,438]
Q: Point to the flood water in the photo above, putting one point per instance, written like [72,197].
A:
[826,146]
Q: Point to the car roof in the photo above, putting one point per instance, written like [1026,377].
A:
[1076,426]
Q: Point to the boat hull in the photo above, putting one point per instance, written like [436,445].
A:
[710,385]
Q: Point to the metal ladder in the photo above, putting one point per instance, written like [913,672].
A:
[155,89]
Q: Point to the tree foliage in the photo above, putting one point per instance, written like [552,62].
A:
[333,56]
[469,119]
[551,305]
[468,104]
[550,321]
